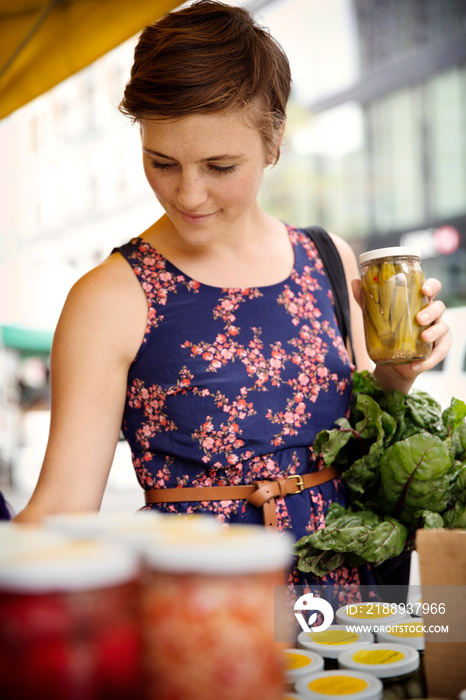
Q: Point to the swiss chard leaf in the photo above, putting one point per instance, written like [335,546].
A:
[430,520]
[414,477]
[362,536]
[424,413]
[456,516]
[458,491]
[453,416]
[458,443]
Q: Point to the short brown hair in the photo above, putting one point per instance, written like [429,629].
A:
[209,57]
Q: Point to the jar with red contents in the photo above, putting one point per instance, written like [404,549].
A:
[208,615]
[69,627]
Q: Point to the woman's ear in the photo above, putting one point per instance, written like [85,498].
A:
[273,153]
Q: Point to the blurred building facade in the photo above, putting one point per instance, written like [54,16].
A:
[381,155]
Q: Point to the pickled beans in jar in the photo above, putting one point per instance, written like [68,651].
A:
[391,297]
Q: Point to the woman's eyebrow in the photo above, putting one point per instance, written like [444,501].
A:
[223,157]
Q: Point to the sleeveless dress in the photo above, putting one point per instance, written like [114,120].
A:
[231,386]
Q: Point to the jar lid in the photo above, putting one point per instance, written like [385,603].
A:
[368,614]
[140,531]
[382,660]
[69,566]
[299,663]
[407,631]
[340,684]
[393,252]
[332,641]
[16,537]
[90,525]
[237,549]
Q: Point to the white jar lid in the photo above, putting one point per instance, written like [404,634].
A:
[16,537]
[395,251]
[382,659]
[340,683]
[69,566]
[299,663]
[407,631]
[79,525]
[368,614]
[140,531]
[332,641]
[237,549]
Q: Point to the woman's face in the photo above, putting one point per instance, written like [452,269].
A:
[205,170]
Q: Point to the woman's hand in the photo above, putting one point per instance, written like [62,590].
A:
[438,333]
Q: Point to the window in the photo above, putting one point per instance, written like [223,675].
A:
[446,119]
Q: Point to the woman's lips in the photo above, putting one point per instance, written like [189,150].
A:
[195,218]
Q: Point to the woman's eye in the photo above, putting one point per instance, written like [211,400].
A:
[218,169]
[161,166]
[222,169]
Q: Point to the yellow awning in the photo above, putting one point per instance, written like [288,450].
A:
[43,42]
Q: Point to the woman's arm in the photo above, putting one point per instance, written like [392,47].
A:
[395,376]
[99,332]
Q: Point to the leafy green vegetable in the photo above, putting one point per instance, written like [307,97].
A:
[404,463]
[456,516]
[362,535]
[414,477]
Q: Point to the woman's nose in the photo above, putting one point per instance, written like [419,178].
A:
[191,192]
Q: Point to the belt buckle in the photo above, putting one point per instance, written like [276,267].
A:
[299,480]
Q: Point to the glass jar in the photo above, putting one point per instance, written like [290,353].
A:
[69,626]
[208,615]
[391,297]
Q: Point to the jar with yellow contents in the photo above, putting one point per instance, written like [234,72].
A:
[391,298]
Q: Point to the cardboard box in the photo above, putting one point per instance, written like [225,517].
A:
[442,565]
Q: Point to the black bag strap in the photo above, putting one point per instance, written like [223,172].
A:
[336,276]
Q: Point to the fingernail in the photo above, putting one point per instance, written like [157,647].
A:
[423,318]
[416,367]
[428,289]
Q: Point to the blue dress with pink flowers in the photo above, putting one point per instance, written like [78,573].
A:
[231,386]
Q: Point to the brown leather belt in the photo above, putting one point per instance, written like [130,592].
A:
[259,493]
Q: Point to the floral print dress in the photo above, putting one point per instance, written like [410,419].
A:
[231,386]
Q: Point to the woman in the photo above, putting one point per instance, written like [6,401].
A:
[212,336]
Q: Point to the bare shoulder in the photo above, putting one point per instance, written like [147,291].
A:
[107,303]
[346,252]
